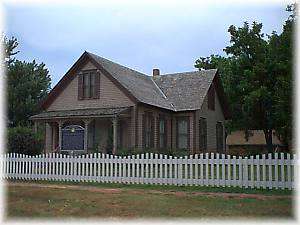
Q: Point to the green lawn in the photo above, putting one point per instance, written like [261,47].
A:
[142,201]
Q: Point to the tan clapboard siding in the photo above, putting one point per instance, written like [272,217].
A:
[212,117]
[110,96]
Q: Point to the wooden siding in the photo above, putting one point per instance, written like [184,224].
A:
[110,95]
[212,117]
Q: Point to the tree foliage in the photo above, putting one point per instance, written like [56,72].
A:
[257,75]
[27,84]
[10,45]
[24,141]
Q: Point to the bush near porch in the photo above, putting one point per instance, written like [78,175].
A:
[24,140]
[135,151]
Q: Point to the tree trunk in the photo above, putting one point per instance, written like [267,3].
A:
[269,142]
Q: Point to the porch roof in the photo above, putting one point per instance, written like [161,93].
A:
[81,113]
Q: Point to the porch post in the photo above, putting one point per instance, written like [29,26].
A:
[60,123]
[53,136]
[86,126]
[48,137]
[115,135]
[35,126]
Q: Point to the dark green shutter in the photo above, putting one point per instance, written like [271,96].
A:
[97,85]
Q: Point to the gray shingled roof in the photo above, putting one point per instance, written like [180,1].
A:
[177,92]
[186,91]
[80,113]
[138,84]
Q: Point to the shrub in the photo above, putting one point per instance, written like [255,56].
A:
[128,151]
[135,151]
[24,141]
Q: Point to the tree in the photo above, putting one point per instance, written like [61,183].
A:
[256,75]
[280,63]
[27,84]
[257,85]
[10,46]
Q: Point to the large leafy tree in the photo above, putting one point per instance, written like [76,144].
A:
[280,64]
[27,84]
[256,75]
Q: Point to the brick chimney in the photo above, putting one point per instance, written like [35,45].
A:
[155,72]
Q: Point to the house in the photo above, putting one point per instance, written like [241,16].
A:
[101,105]
[237,144]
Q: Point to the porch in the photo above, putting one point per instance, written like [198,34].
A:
[86,130]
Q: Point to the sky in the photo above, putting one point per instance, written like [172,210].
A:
[141,35]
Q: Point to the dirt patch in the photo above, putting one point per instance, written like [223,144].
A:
[70,187]
[241,195]
[137,192]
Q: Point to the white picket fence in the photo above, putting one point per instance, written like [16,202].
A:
[261,171]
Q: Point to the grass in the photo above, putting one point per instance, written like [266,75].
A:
[172,187]
[142,201]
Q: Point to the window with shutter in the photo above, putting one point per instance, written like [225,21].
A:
[80,86]
[202,134]
[182,132]
[162,133]
[88,85]
[148,131]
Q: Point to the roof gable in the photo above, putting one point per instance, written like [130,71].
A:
[187,90]
[70,75]
[175,92]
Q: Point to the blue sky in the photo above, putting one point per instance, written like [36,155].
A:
[141,36]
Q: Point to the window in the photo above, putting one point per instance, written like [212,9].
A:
[183,133]
[148,130]
[202,134]
[211,98]
[162,133]
[88,85]
[219,136]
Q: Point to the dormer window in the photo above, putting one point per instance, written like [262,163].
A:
[88,85]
